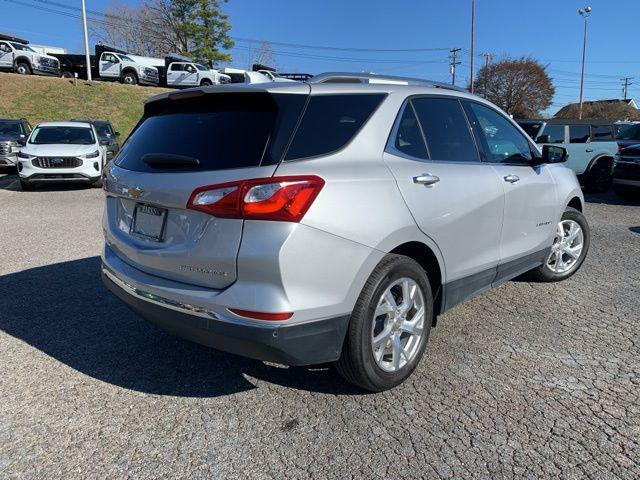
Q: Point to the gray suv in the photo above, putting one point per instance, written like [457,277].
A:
[333,220]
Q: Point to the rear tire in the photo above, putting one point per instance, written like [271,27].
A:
[375,321]
[206,83]
[552,270]
[23,68]
[599,177]
[130,78]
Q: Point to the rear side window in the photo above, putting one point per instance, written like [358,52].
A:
[222,131]
[408,137]
[445,129]
[330,122]
[601,133]
[578,133]
[555,133]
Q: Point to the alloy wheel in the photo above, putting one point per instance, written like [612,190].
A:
[567,247]
[398,325]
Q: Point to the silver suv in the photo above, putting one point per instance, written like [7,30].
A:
[330,221]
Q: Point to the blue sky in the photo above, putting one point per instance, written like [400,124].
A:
[548,30]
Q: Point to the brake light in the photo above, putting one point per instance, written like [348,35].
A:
[261,315]
[284,199]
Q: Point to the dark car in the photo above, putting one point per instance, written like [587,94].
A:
[108,136]
[629,136]
[626,172]
[13,135]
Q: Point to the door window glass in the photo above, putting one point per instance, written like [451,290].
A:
[578,133]
[601,133]
[555,133]
[408,138]
[502,141]
[445,129]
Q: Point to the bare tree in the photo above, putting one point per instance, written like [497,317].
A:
[521,86]
[264,55]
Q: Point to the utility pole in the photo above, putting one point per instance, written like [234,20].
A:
[625,85]
[86,40]
[473,15]
[487,58]
[584,13]
[452,64]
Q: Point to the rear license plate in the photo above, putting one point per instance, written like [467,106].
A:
[148,222]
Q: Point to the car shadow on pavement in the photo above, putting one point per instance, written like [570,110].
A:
[65,311]
[610,198]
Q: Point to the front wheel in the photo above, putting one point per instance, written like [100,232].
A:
[206,83]
[389,326]
[130,78]
[23,68]
[569,249]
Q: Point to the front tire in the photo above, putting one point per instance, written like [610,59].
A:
[389,327]
[23,68]
[569,249]
[599,177]
[130,78]
[206,83]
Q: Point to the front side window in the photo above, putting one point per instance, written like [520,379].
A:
[408,139]
[202,68]
[4,47]
[24,48]
[579,133]
[330,122]
[601,133]
[62,135]
[553,133]
[445,129]
[108,57]
[502,141]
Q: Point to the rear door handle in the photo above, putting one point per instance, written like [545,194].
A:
[426,179]
[512,178]
[589,150]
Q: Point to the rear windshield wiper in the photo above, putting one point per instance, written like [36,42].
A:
[168,160]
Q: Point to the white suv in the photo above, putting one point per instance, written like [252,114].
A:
[61,152]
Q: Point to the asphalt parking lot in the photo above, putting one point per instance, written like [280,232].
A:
[528,380]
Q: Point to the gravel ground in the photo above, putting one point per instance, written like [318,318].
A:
[528,380]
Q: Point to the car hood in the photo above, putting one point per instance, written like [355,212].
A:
[632,150]
[58,150]
[9,138]
[627,143]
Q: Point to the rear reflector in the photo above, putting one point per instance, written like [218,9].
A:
[284,199]
[261,315]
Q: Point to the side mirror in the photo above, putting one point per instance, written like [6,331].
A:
[117,134]
[543,139]
[551,154]
[22,142]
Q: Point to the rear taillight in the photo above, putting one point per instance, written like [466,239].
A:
[284,199]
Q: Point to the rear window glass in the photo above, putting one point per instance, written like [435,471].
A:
[222,131]
[330,122]
[409,139]
[601,133]
[578,133]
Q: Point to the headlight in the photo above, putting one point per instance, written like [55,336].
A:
[149,71]
[93,154]
[23,155]
[37,59]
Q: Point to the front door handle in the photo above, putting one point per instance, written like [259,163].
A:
[426,179]
[512,178]
[589,150]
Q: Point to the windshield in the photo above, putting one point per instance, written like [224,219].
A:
[631,132]
[11,128]
[62,135]
[19,46]
[202,68]
[124,58]
[532,128]
[103,129]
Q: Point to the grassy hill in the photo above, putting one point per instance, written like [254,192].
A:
[40,99]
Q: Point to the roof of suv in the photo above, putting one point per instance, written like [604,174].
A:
[329,83]
[65,124]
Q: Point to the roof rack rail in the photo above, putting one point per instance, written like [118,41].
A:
[372,78]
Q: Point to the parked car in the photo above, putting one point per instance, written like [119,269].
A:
[61,152]
[13,136]
[17,56]
[182,72]
[106,134]
[305,223]
[621,125]
[590,145]
[109,63]
[626,172]
[628,136]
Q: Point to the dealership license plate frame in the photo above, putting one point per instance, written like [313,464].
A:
[145,224]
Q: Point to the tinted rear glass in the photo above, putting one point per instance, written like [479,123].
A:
[555,133]
[532,129]
[330,122]
[578,133]
[222,131]
[629,132]
[601,133]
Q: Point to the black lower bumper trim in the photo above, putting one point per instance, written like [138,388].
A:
[302,344]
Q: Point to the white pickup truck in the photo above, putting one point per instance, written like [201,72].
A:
[182,72]
[109,63]
[17,56]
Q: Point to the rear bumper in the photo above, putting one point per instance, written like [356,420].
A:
[305,343]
